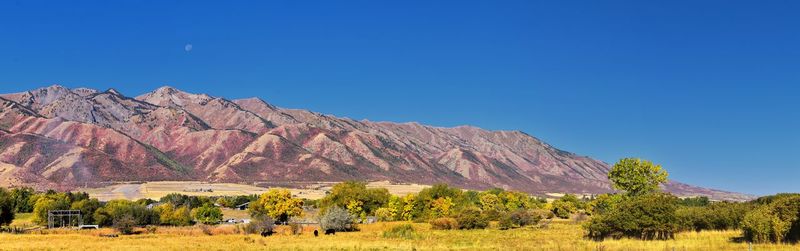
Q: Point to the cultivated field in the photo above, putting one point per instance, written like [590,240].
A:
[156,190]
[560,235]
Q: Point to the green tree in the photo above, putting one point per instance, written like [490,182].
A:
[604,203]
[776,221]
[636,176]
[490,201]
[119,210]
[277,204]
[563,208]
[21,198]
[442,207]
[409,202]
[46,203]
[168,214]
[207,214]
[87,208]
[344,194]
[649,216]
[6,207]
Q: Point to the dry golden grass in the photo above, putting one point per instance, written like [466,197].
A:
[562,235]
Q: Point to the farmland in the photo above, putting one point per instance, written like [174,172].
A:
[156,190]
[559,235]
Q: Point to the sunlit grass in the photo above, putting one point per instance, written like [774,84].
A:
[562,235]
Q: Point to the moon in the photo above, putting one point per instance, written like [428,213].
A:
[188,47]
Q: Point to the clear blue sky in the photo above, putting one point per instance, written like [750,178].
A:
[709,89]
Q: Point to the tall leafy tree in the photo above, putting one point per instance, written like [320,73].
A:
[277,204]
[6,207]
[207,214]
[636,176]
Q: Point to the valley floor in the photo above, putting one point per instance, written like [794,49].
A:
[563,235]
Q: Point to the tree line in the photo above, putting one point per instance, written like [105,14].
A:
[639,210]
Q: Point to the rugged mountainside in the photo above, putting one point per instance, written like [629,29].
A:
[56,137]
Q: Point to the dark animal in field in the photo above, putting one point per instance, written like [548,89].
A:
[266,233]
[316,233]
[330,231]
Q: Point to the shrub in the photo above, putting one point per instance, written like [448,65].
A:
[206,229]
[151,229]
[648,217]
[124,224]
[405,231]
[563,208]
[715,216]
[543,213]
[384,214]
[445,223]
[518,218]
[492,214]
[337,218]
[259,224]
[778,221]
[471,218]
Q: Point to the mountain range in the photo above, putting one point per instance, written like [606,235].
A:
[61,138]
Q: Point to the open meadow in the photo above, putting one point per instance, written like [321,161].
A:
[559,235]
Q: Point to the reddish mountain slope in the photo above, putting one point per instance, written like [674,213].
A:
[57,137]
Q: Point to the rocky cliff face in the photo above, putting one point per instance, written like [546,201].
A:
[60,138]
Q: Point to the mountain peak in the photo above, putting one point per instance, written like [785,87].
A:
[84,91]
[168,90]
[114,91]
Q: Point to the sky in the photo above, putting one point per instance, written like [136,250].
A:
[707,89]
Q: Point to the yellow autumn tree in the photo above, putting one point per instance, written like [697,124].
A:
[278,204]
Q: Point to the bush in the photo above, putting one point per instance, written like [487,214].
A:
[543,214]
[715,216]
[445,223]
[778,221]
[259,224]
[651,216]
[405,231]
[492,214]
[337,218]
[563,208]
[206,229]
[471,218]
[151,229]
[518,218]
[384,214]
[124,224]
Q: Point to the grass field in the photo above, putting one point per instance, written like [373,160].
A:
[560,235]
